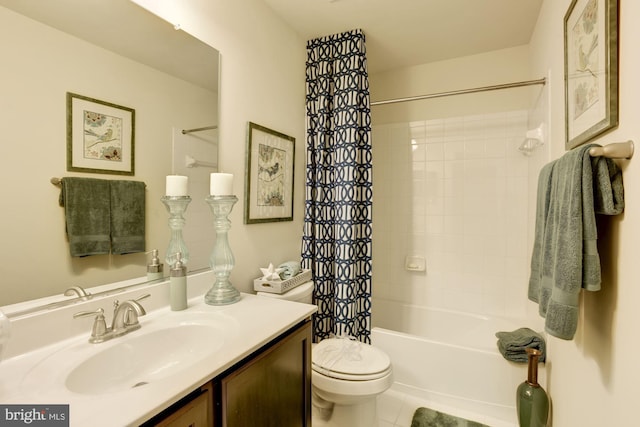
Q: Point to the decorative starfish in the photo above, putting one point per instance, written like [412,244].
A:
[271,273]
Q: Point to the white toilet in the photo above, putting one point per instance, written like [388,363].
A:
[346,377]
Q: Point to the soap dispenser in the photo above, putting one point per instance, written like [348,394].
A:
[155,268]
[178,285]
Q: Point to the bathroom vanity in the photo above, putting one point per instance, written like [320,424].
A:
[243,364]
[271,387]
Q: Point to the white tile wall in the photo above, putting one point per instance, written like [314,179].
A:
[454,191]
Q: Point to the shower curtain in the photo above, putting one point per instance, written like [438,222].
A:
[336,243]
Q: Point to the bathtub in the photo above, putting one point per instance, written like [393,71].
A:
[450,359]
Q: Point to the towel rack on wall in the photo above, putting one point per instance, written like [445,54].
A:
[186,131]
[58,181]
[616,150]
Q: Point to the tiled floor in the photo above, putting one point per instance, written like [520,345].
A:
[396,409]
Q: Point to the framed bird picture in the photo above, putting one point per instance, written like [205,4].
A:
[269,175]
[591,70]
[100,136]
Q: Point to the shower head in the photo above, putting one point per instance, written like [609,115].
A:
[534,138]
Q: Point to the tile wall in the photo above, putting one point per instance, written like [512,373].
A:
[453,191]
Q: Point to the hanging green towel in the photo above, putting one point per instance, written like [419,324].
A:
[571,190]
[86,204]
[127,217]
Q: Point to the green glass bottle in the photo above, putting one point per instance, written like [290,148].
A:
[532,401]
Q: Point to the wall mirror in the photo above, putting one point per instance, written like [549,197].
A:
[114,51]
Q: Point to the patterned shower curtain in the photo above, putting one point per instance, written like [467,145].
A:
[336,242]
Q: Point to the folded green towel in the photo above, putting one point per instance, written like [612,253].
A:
[513,345]
[289,269]
[565,259]
[127,217]
[86,204]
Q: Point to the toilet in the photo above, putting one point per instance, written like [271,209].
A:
[346,376]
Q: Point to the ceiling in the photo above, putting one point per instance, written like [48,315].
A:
[129,30]
[402,33]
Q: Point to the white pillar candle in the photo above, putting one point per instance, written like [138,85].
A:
[177,185]
[221,184]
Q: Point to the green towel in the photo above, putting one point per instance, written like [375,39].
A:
[609,192]
[86,204]
[513,345]
[289,269]
[540,251]
[127,217]
[565,257]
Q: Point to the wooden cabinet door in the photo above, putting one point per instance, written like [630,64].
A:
[273,389]
[197,412]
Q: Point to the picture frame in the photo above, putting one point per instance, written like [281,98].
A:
[269,175]
[591,69]
[100,136]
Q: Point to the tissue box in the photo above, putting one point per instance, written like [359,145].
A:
[281,286]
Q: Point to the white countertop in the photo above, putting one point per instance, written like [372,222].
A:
[26,376]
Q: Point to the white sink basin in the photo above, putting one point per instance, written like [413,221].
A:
[143,359]
[164,347]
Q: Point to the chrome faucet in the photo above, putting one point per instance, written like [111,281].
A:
[125,320]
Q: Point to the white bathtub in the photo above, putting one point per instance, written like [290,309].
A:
[450,359]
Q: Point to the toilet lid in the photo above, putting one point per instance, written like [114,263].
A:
[349,359]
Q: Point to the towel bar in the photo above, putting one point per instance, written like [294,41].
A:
[186,131]
[58,181]
[617,150]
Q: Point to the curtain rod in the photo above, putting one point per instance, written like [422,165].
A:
[541,81]
[186,131]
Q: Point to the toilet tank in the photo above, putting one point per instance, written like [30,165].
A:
[302,293]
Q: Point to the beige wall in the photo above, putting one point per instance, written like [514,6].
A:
[593,378]
[262,82]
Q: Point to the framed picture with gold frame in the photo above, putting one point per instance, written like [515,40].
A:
[591,69]
[100,136]
[269,175]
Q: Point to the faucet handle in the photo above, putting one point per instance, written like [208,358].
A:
[98,312]
[99,330]
[140,298]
